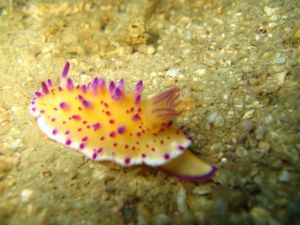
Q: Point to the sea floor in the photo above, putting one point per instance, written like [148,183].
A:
[237,65]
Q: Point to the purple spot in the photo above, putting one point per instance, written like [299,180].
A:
[102,138]
[65,70]
[45,88]
[99,150]
[38,94]
[80,97]
[121,129]
[86,103]
[137,99]
[95,154]
[166,156]
[70,84]
[63,105]
[96,126]
[84,139]
[67,132]
[33,109]
[143,155]
[139,86]
[42,111]
[127,161]
[136,117]
[54,132]
[76,117]
[60,88]
[112,134]
[81,146]
[53,119]
[180,148]
[68,142]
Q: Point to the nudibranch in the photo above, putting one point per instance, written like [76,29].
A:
[107,124]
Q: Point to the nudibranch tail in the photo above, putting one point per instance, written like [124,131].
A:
[188,167]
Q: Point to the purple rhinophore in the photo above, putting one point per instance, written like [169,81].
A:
[45,88]
[86,103]
[70,84]
[112,86]
[49,82]
[137,99]
[96,126]
[38,94]
[63,105]
[121,129]
[65,70]
[139,86]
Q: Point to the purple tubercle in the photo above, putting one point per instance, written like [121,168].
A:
[112,86]
[83,88]
[70,84]
[65,70]
[127,161]
[95,85]
[137,99]
[63,106]
[101,83]
[117,94]
[121,129]
[49,82]
[121,84]
[139,86]
[45,88]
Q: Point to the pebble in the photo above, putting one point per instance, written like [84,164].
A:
[219,121]
[211,118]
[284,176]
[173,72]
[247,125]
[202,190]
[280,60]
[26,195]
[264,146]
[181,201]
[260,214]
[241,151]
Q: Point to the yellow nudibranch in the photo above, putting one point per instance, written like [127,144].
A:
[107,124]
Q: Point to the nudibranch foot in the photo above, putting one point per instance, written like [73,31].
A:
[188,167]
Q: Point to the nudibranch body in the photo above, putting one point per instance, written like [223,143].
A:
[106,123]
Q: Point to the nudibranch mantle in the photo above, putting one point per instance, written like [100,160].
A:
[106,123]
